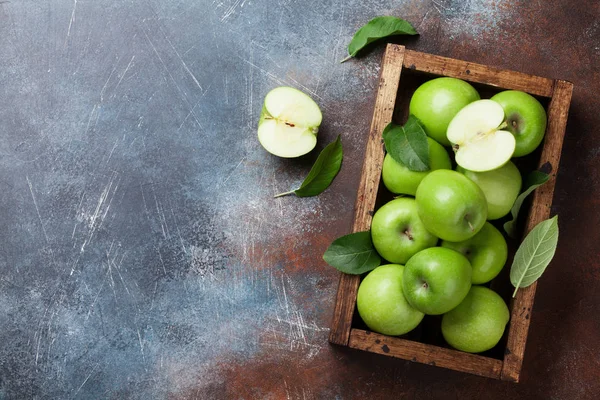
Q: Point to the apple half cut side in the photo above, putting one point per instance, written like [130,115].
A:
[478,138]
[289,123]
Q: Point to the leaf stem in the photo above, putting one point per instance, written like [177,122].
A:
[284,194]
[515,292]
[503,125]
[345,59]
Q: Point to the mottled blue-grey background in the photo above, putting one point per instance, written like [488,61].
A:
[142,255]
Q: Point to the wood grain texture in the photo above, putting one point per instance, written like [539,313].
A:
[558,111]
[369,183]
[478,73]
[425,354]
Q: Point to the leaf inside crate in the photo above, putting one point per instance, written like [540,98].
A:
[532,182]
[408,144]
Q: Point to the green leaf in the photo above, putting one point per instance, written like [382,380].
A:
[353,254]
[532,182]
[323,171]
[378,28]
[534,254]
[408,144]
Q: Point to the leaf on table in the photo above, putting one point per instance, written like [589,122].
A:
[534,254]
[532,182]
[378,28]
[408,144]
[323,171]
[353,254]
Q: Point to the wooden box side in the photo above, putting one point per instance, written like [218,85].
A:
[368,186]
[558,111]
[425,353]
[478,73]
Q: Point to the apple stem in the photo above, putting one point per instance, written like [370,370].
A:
[471,226]
[482,135]
[284,194]
[345,59]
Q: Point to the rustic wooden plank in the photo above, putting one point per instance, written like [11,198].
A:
[425,353]
[369,183]
[558,111]
[478,73]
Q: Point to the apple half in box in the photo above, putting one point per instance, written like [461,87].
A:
[402,72]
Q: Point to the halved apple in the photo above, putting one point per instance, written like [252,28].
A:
[289,123]
[478,138]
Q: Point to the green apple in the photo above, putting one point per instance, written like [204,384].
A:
[436,280]
[526,119]
[401,180]
[398,233]
[382,305]
[478,138]
[478,323]
[437,101]
[501,187]
[289,123]
[486,251]
[450,205]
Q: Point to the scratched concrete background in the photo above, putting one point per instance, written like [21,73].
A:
[141,252]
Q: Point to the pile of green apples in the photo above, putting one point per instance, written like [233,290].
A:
[436,236]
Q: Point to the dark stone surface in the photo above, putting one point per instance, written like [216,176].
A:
[142,254]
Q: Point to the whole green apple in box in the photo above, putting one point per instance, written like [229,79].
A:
[398,179]
[525,117]
[397,231]
[437,101]
[486,251]
[500,186]
[478,323]
[381,303]
[450,205]
[436,280]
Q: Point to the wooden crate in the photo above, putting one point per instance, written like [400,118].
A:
[345,330]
